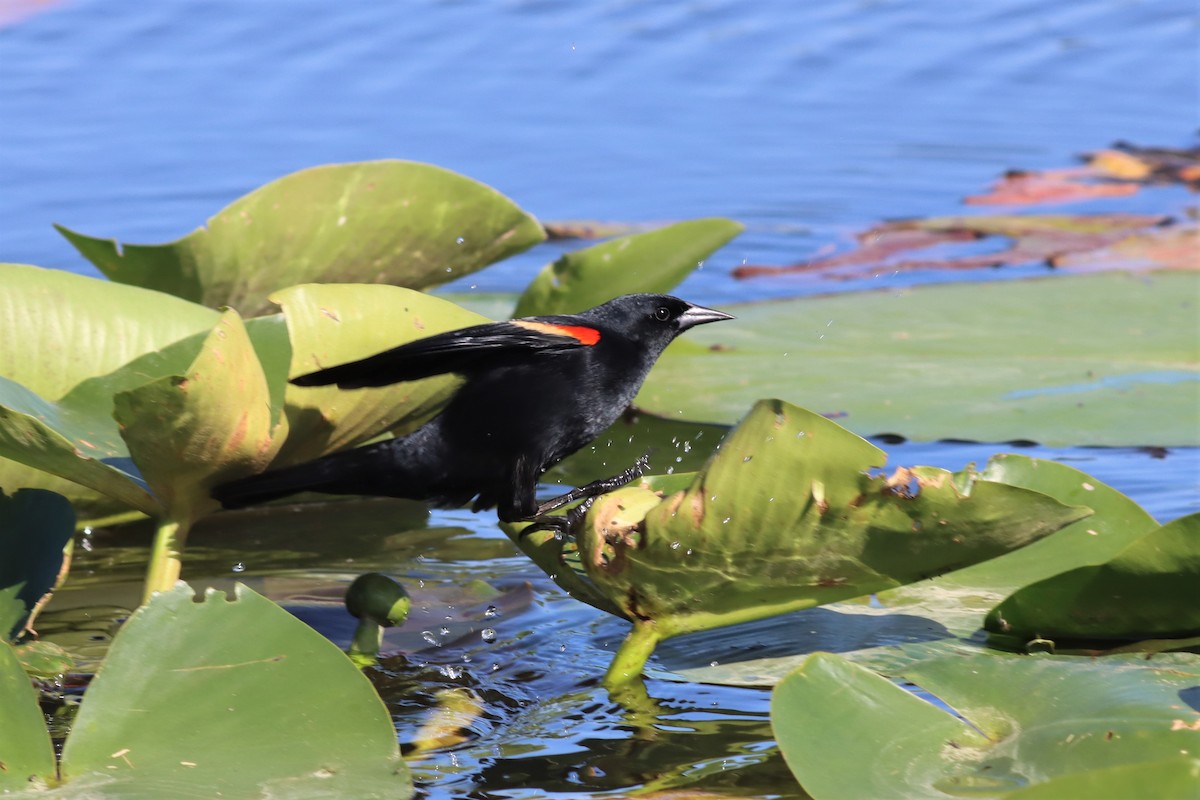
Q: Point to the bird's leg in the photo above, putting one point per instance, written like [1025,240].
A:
[596,488]
[565,524]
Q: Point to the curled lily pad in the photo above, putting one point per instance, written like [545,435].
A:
[785,516]
[396,222]
[1138,594]
[81,341]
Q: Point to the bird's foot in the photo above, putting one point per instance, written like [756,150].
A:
[563,526]
[594,489]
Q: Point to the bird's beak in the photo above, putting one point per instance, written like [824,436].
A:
[699,315]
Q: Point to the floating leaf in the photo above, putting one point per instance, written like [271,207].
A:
[397,222]
[35,526]
[1090,360]
[235,696]
[1055,240]
[1019,188]
[1136,595]
[1022,721]
[786,517]
[655,261]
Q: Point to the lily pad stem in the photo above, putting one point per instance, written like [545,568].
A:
[627,665]
[166,557]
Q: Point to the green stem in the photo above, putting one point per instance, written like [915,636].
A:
[368,638]
[627,665]
[166,557]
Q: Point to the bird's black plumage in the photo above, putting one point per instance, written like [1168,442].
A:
[535,390]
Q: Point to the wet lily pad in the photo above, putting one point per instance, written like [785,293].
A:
[1106,359]
[785,516]
[398,222]
[1019,721]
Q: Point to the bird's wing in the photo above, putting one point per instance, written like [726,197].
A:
[460,351]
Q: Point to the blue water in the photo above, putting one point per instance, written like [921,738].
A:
[806,121]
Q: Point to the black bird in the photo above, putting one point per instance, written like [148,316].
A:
[536,390]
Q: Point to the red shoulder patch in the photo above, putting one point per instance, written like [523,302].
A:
[580,333]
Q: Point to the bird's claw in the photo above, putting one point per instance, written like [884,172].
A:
[563,526]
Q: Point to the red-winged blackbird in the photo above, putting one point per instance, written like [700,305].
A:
[535,391]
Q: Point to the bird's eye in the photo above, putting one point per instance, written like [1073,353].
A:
[662,313]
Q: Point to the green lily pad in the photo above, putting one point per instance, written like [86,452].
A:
[25,748]
[1020,720]
[785,516]
[35,526]
[1139,594]
[939,615]
[235,696]
[396,222]
[655,261]
[214,423]
[81,339]
[1106,359]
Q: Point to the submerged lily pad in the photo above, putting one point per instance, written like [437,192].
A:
[1019,721]
[1106,359]
[785,516]
[655,261]
[398,222]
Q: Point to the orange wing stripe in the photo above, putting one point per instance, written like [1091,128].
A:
[581,333]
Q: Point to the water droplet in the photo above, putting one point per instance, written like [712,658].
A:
[488,634]
[562,648]
[678,459]
[239,567]
[674,545]
[453,673]
[86,544]
[444,631]
[491,612]
[459,240]
[449,269]
[689,551]
[670,470]
[726,520]
[800,435]
[747,459]
[87,531]
[474,285]
[687,447]
[430,638]
[713,663]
